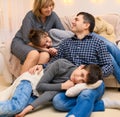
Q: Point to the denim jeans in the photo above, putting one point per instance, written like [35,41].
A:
[82,105]
[60,35]
[20,99]
[115,54]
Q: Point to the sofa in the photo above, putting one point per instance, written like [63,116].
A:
[107,25]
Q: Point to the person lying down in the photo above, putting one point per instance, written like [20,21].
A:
[61,76]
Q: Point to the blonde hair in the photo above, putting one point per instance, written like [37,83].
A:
[39,4]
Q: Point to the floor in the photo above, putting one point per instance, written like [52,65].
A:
[48,110]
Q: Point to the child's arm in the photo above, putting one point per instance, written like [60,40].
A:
[75,90]
[25,111]
[39,48]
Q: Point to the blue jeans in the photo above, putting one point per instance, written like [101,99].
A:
[60,35]
[82,105]
[20,99]
[115,54]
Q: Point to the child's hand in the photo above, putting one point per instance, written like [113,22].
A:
[53,51]
[66,85]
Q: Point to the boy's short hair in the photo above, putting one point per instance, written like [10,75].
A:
[94,73]
[88,18]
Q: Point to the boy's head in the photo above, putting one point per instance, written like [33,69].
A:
[87,74]
[94,73]
[40,38]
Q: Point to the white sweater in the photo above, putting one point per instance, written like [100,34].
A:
[34,79]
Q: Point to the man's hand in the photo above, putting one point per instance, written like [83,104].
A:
[66,85]
[36,68]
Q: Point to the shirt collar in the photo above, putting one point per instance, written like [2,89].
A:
[89,36]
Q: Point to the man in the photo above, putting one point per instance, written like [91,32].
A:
[83,48]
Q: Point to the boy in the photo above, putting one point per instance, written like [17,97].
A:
[58,76]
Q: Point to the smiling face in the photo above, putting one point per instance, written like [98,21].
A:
[83,23]
[43,8]
[45,41]
[47,10]
[79,25]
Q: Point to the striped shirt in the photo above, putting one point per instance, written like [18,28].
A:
[89,50]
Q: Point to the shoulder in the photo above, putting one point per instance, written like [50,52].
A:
[29,14]
[66,41]
[97,38]
[53,14]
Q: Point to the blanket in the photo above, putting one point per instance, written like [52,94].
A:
[34,79]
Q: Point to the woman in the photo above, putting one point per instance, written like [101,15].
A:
[42,17]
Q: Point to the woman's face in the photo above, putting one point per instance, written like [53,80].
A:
[47,10]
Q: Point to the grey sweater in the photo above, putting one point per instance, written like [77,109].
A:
[50,84]
[30,21]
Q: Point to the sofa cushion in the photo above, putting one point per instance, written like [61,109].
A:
[104,29]
[114,20]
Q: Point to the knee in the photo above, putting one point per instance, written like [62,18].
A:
[34,54]
[85,95]
[58,104]
[44,57]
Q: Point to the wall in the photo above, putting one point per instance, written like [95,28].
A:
[91,6]
[13,11]
[11,15]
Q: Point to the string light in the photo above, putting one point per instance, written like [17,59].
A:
[68,1]
[97,1]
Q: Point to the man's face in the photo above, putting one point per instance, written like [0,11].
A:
[78,24]
[80,77]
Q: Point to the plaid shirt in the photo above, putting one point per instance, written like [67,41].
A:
[89,50]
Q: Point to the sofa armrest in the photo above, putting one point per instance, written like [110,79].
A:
[4,57]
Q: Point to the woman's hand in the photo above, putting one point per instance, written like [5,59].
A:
[36,68]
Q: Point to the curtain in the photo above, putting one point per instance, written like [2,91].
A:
[12,13]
